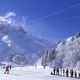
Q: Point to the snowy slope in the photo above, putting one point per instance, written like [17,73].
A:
[30,73]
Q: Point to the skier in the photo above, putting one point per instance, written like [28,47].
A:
[54,70]
[10,66]
[75,74]
[7,69]
[52,73]
[63,72]
[67,72]
[44,67]
[57,70]
[79,75]
[71,72]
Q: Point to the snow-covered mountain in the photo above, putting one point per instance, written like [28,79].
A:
[65,54]
[16,45]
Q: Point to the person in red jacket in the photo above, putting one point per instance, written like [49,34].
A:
[67,72]
[79,75]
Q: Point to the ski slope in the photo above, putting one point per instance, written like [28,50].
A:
[30,73]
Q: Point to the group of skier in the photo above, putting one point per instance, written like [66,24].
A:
[7,69]
[65,72]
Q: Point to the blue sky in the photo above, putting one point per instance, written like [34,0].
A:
[41,19]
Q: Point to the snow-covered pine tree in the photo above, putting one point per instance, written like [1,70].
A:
[45,59]
[52,55]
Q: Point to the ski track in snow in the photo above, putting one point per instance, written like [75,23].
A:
[30,73]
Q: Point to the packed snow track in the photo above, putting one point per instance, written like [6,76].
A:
[30,73]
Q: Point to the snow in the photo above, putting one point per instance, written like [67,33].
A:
[30,73]
[7,18]
[6,40]
[67,53]
[69,38]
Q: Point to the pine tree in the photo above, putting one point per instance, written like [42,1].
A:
[45,59]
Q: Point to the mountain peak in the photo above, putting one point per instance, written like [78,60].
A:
[78,34]
[13,40]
